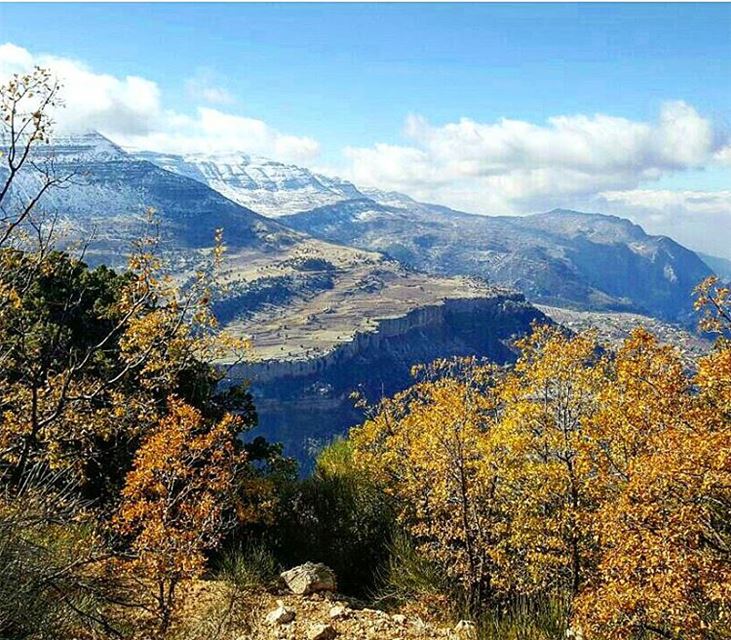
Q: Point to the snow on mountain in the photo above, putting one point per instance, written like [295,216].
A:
[106,193]
[389,198]
[87,147]
[266,186]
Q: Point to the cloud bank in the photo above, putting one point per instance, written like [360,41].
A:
[130,111]
[512,165]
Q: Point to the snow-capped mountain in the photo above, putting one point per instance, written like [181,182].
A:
[108,192]
[562,258]
[268,187]
[87,147]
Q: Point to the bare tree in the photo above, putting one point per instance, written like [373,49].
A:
[26,103]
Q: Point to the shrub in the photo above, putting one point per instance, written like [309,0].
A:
[337,516]
[248,566]
[411,576]
[51,583]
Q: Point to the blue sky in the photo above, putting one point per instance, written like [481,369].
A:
[342,81]
[350,73]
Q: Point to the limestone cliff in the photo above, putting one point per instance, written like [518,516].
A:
[305,402]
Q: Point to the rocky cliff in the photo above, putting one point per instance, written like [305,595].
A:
[305,402]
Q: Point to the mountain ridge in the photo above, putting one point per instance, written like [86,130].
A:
[273,188]
[560,257]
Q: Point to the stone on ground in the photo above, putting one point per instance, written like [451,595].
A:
[338,611]
[321,632]
[280,615]
[309,578]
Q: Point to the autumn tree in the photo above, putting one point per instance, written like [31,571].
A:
[111,380]
[665,535]
[183,494]
[90,357]
[542,444]
[87,357]
[426,446]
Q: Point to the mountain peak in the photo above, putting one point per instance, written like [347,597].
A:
[89,146]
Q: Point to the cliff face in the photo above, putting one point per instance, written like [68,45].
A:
[304,403]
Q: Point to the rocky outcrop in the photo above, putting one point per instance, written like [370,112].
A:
[472,318]
[311,621]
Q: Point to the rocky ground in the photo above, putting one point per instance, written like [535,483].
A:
[327,616]
[306,606]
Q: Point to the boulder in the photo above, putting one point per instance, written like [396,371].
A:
[321,632]
[280,615]
[399,618]
[309,578]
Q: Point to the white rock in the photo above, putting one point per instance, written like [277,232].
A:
[321,632]
[309,578]
[399,618]
[576,633]
[280,615]
[419,623]
[338,611]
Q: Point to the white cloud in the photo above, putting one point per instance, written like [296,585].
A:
[213,131]
[695,202]
[515,165]
[599,163]
[130,111]
[92,100]
[723,155]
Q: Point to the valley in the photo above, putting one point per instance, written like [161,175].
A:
[353,292]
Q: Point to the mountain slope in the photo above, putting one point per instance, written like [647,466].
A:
[269,187]
[106,200]
[563,258]
[587,261]
[720,266]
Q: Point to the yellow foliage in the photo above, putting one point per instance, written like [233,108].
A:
[180,498]
[596,476]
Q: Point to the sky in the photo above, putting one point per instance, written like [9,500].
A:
[492,109]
